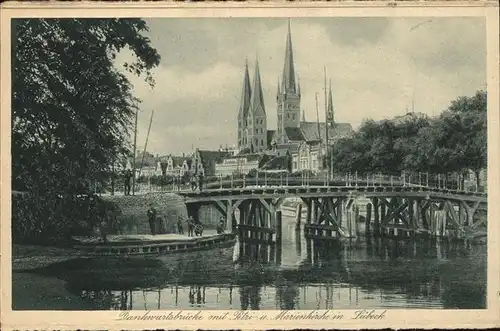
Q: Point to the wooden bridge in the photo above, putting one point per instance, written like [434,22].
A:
[395,208]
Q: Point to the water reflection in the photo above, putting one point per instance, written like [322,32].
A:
[361,273]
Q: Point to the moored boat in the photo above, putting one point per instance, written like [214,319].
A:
[148,245]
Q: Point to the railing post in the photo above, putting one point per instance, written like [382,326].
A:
[356,178]
[404,178]
[287,179]
[232,180]
[439,181]
[380,177]
[244,180]
[419,179]
[281,179]
[257,178]
[392,180]
[220,180]
[265,179]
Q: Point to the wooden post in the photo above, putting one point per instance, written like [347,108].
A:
[279,225]
[417,216]
[309,210]
[340,212]
[229,216]
[313,211]
[368,219]
[309,250]
[298,217]
[376,216]
[382,216]
[411,215]
[356,219]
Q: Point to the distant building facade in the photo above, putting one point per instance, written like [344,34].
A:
[204,161]
[240,164]
[308,156]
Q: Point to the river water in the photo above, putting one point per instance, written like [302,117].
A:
[359,274]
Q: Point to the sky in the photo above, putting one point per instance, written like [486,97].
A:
[377,67]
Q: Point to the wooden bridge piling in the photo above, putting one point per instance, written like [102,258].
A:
[368,220]
[279,234]
[298,215]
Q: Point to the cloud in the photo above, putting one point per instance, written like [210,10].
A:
[376,66]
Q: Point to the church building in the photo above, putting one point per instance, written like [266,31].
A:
[292,131]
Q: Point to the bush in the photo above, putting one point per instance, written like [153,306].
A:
[40,219]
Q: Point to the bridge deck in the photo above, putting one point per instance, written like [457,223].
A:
[331,191]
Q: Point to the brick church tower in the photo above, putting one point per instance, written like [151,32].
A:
[288,96]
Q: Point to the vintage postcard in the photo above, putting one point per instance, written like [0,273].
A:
[251,166]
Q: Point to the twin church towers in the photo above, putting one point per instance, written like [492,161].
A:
[253,135]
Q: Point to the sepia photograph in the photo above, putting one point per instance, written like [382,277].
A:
[282,163]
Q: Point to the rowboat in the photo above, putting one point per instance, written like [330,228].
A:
[151,245]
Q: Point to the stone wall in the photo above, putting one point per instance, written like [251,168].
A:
[133,211]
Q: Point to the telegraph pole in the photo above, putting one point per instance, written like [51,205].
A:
[319,133]
[135,147]
[326,130]
[146,144]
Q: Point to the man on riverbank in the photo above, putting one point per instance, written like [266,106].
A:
[180,229]
[127,176]
[220,226]
[191,225]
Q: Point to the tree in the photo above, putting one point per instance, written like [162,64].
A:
[470,114]
[71,107]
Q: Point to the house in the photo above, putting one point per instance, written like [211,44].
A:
[308,156]
[177,166]
[241,164]
[204,161]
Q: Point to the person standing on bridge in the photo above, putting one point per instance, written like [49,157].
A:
[152,219]
[193,183]
[200,181]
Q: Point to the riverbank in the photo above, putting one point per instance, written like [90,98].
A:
[35,292]
[28,257]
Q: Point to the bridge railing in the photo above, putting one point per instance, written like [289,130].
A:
[321,179]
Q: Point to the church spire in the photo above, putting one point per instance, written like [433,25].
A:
[278,92]
[257,97]
[330,112]
[288,84]
[298,86]
[245,93]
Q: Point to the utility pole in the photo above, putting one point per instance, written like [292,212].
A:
[326,130]
[146,144]
[320,159]
[113,178]
[135,147]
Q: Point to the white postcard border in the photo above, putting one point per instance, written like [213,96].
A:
[407,318]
